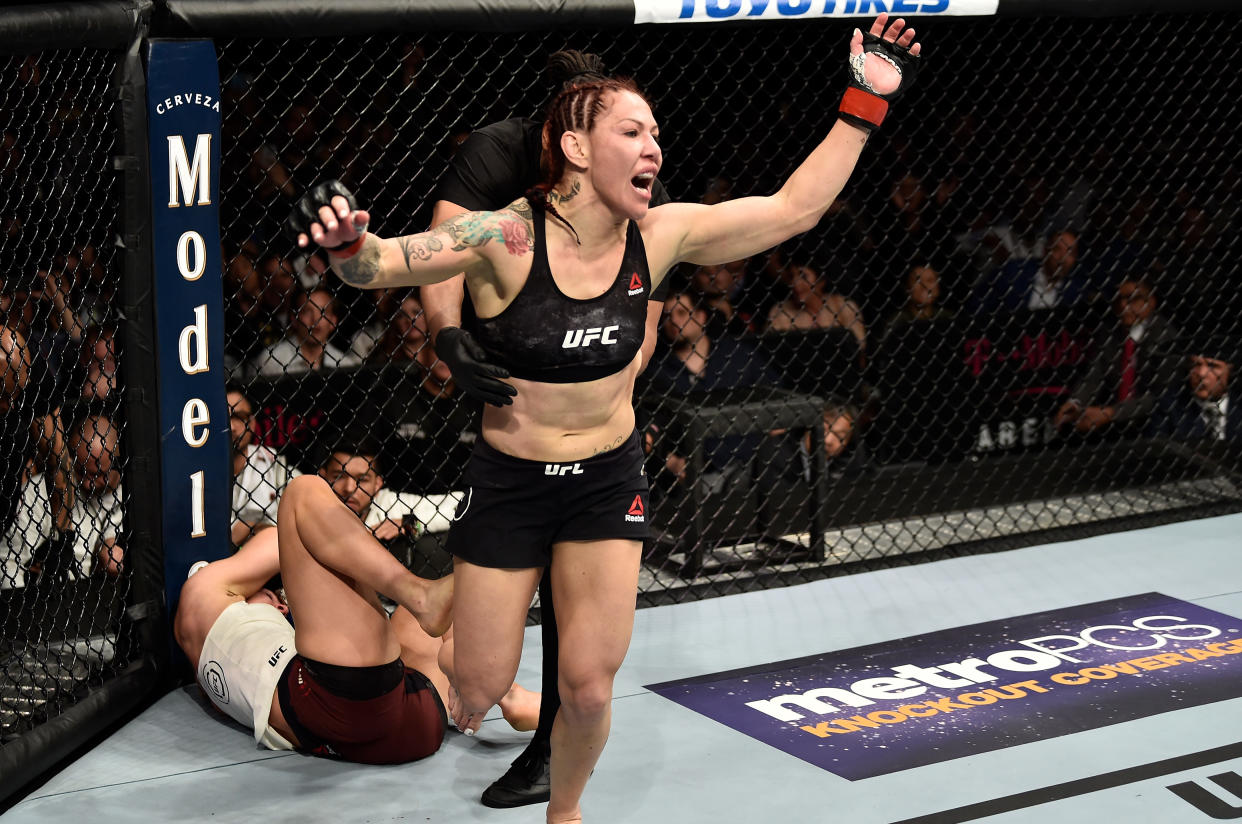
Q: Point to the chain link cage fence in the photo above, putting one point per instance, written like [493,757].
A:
[941,362]
[63,522]
[1016,322]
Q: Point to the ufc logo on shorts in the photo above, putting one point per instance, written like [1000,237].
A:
[584,337]
[562,469]
[276,656]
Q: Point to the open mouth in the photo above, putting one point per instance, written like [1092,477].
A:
[643,183]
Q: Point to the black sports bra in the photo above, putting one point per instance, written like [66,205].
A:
[546,336]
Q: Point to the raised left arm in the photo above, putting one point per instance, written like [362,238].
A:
[739,228]
[882,65]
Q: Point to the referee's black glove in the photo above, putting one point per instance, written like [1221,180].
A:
[468,362]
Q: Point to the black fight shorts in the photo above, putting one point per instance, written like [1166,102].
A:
[370,715]
[514,510]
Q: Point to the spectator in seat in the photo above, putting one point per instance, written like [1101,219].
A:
[1201,408]
[715,288]
[97,364]
[403,337]
[922,298]
[374,314]
[306,346]
[98,511]
[259,473]
[36,524]
[812,306]
[260,309]
[690,360]
[37,307]
[1132,368]
[352,468]
[1056,280]
[789,453]
[436,426]
[94,288]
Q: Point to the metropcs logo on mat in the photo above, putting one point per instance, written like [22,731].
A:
[887,707]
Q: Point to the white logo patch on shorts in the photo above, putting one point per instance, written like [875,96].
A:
[213,680]
[463,504]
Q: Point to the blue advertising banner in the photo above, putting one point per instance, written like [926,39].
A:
[183,103]
[888,707]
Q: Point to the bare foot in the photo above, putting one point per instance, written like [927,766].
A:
[520,708]
[436,616]
[465,722]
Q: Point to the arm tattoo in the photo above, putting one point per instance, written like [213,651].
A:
[510,226]
[419,247]
[471,230]
[522,209]
[362,268]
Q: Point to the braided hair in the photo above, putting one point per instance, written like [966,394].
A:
[570,67]
[576,108]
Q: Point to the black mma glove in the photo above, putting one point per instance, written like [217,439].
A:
[468,362]
[861,105]
[306,211]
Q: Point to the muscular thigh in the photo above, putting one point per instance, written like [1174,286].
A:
[594,584]
[338,620]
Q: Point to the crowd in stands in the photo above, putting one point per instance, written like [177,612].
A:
[895,312]
[876,313]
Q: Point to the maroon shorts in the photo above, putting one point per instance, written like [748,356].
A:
[372,715]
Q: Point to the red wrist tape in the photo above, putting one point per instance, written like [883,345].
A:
[864,106]
[350,250]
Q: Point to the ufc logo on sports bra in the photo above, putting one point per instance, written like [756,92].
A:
[584,337]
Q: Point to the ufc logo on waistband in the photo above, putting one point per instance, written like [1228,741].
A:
[580,337]
[562,469]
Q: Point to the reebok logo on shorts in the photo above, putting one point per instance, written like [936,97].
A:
[635,515]
[636,285]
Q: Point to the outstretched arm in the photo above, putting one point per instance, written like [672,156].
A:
[738,228]
[327,215]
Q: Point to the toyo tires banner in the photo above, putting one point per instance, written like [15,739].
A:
[707,11]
